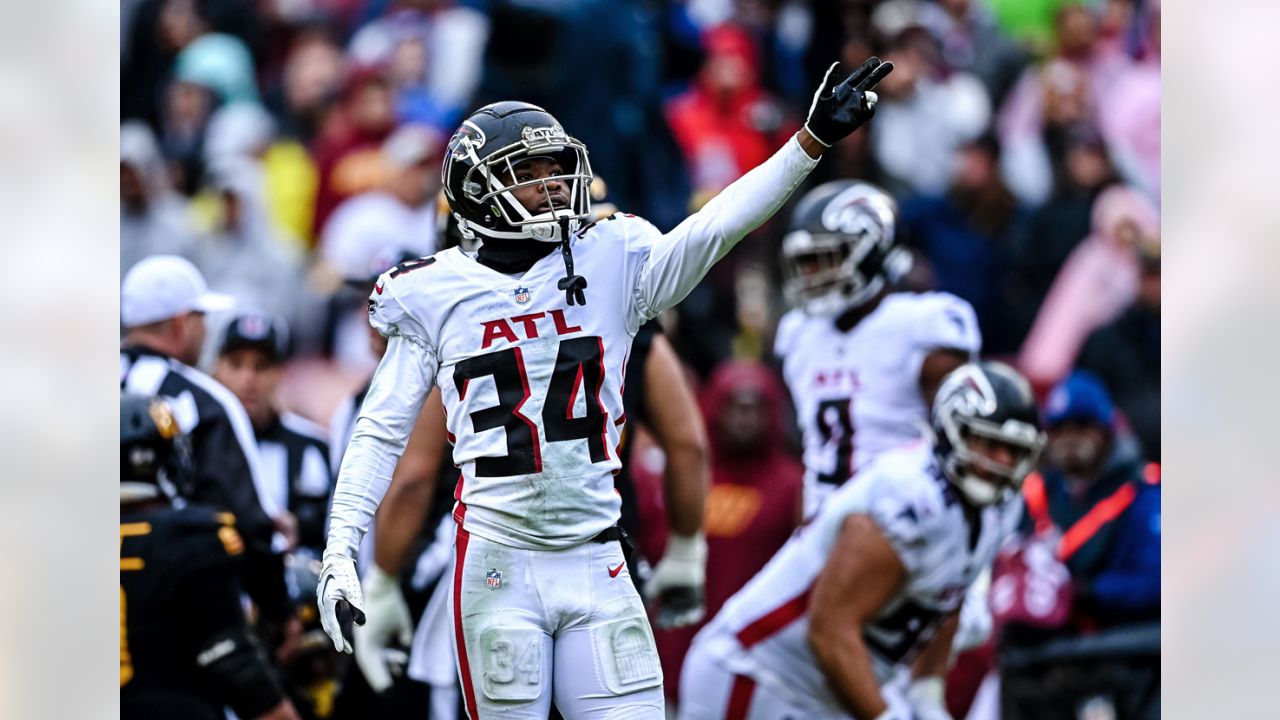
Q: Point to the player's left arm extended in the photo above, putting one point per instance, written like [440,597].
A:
[683,256]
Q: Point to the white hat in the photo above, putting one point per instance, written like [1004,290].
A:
[160,287]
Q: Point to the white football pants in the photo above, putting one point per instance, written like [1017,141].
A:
[533,625]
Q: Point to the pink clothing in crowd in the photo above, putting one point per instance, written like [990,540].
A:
[1096,283]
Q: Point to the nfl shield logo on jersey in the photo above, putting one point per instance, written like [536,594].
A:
[522,295]
[493,579]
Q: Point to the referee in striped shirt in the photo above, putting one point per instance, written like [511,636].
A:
[294,453]
[163,300]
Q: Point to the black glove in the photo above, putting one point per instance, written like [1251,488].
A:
[838,110]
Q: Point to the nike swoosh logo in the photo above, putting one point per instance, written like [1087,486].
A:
[378,288]
[613,572]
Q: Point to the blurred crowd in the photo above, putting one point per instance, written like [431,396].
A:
[290,149]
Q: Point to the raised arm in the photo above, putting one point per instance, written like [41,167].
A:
[683,256]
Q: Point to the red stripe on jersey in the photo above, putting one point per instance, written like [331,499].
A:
[524,380]
[740,698]
[604,426]
[774,620]
[464,667]
[573,394]
[459,509]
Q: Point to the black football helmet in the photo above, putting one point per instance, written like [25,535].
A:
[155,454]
[479,173]
[839,251]
[992,402]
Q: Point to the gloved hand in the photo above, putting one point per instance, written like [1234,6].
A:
[975,615]
[678,580]
[838,110]
[386,617]
[927,696]
[339,585]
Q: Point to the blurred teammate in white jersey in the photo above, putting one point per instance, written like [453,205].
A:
[861,362]
[528,346]
[874,580]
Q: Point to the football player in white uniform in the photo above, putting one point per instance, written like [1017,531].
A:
[861,363]
[862,588]
[531,380]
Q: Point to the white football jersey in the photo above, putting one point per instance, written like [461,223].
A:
[857,393]
[762,631]
[532,385]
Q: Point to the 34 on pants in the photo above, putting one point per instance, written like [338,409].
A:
[533,625]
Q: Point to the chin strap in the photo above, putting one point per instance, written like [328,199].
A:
[572,285]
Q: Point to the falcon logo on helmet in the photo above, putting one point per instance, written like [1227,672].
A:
[987,402]
[840,249]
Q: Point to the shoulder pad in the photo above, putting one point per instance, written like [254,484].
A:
[944,320]
[390,303]
[906,501]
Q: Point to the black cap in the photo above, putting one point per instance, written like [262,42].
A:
[256,331]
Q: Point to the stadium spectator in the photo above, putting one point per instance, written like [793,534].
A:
[367,232]
[433,50]
[928,111]
[153,218]
[1088,631]
[308,86]
[1056,227]
[1051,99]
[726,123]
[970,40]
[244,133]
[1094,492]
[1097,282]
[240,251]
[346,150]
[1129,113]
[1126,356]
[966,237]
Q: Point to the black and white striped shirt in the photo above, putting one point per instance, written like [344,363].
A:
[296,474]
[227,464]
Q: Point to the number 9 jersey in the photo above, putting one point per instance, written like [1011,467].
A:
[857,393]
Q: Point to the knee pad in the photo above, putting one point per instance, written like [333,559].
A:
[627,654]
